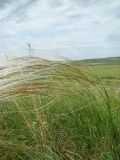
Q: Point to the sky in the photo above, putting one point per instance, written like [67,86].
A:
[78,29]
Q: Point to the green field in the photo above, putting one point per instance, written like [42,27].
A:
[60,111]
[107,69]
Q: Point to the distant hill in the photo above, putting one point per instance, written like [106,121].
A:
[102,61]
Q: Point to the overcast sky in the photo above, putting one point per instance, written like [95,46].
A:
[71,28]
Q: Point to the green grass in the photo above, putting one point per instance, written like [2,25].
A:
[107,69]
[110,74]
[58,112]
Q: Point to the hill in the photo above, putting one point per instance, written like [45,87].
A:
[102,61]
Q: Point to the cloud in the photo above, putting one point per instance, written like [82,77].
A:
[87,24]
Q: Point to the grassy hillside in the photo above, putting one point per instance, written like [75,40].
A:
[103,61]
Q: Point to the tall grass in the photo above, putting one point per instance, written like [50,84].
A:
[55,111]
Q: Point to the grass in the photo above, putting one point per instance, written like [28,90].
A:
[108,73]
[56,111]
[107,69]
